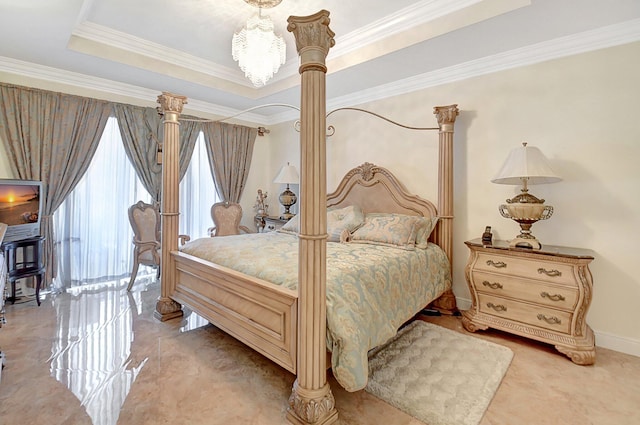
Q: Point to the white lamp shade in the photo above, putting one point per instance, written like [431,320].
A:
[288,174]
[526,162]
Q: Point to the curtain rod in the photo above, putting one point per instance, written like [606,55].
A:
[381,117]
[331,129]
[261,130]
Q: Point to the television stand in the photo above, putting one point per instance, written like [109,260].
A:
[24,259]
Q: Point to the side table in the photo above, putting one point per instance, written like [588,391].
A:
[542,294]
[24,259]
[273,223]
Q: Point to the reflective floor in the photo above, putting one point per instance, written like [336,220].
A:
[97,356]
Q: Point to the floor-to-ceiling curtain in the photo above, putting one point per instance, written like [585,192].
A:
[50,137]
[229,148]
[94,234]
[142,134]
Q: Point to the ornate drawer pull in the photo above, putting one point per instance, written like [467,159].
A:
[497,265]
[494,285]
[556,297]
[551,273]
[498,307]
[553,320]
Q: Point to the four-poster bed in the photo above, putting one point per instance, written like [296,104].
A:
[290,325]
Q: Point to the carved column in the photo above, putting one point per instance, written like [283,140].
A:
[171,106]
[311,400]
[446,116]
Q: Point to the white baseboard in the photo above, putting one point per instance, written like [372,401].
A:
[463,303]
[617,343]
[603,339]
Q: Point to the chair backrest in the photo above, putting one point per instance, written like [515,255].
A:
[145,222]
[226,218]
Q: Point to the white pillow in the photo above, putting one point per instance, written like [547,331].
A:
[339,221]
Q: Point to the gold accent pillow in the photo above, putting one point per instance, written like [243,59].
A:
[396,230]
[426,226]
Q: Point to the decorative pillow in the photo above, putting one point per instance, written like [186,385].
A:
[291,226]
[338,221]
[426,226]
[397,230]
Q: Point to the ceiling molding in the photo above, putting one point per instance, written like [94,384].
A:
[74,79]
[102,41]
[140,46]
[609,36]
[398,22]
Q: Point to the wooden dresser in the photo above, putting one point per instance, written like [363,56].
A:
[540,294]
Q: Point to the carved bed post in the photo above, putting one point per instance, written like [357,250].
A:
[311,400]
[446,116]
[171,106]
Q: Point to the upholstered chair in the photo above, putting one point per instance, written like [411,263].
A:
[226,218]
[145,222]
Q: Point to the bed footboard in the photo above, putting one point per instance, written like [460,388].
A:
[258,313]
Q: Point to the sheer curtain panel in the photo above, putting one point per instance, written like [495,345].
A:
[197,194]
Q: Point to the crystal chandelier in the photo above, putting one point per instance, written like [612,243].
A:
[257,49]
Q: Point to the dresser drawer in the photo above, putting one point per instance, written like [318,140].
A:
[542,294]
[524,267]
[557,296]
[531,314]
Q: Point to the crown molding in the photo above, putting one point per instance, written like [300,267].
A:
[74,79]
[613,35]
[139,46]
[609,36]
[398,22]
[98,40]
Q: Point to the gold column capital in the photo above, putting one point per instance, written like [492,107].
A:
[313,37]
[171,105]
[446,116]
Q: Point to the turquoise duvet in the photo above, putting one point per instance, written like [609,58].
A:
[371,289]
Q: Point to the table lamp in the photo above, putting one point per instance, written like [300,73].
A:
[287,175]
[526,165]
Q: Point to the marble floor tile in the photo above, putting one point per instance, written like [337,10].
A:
[98,356]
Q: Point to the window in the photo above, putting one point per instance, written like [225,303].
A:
[197,188]
[92,226]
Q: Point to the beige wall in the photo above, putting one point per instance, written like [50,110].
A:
[580,111]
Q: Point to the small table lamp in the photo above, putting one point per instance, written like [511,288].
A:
[526,165]
[287,175]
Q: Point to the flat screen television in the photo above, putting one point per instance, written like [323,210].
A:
[20,208]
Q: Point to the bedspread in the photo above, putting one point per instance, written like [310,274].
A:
[371,289]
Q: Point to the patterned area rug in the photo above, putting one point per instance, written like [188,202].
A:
[437,375]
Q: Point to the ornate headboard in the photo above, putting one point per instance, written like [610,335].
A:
[376,189]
